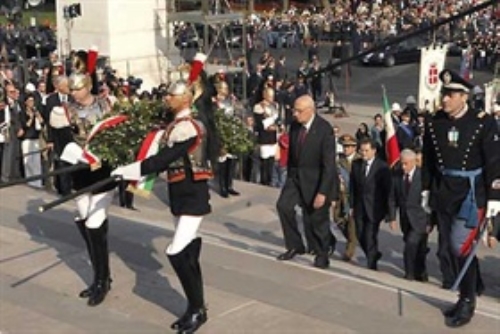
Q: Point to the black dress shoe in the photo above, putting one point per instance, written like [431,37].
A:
[321,261]
[233,192]
[463,314]
[409,277]
[422,278]
[290,254]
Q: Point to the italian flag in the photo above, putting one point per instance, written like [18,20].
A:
[391,141]
[149,147]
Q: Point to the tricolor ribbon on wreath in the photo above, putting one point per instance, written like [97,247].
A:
[74,154]
[149,147]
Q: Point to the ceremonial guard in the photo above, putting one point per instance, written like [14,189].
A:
[266,115]
[185,159]
[75,120]
[225,103]
[460,178]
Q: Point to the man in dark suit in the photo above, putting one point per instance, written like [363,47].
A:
[370,185]
[311,176]
[58,138]
[406,196]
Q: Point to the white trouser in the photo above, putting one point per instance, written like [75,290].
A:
[32,162]
[94,208]
[185,232]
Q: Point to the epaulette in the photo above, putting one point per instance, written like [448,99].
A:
[182,131]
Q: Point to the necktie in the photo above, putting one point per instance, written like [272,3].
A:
[407,183]
[302,135]
[364,169]
[300,139]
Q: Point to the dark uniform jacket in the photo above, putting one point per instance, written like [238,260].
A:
[478,146]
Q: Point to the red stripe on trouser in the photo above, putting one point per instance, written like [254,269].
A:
[467,245]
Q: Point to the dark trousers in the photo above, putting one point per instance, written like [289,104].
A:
[316,222]
[126,197]
[415,253]
[63,181]
[226,175]
[367,233]
[266,171]
[448,262]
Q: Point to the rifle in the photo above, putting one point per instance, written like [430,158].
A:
[69,169]
[78,193]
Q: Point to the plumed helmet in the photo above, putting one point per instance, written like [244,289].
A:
[189,75]
[84,70]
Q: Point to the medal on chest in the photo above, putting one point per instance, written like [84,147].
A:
[453,136]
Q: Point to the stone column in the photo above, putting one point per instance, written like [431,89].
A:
[133,34]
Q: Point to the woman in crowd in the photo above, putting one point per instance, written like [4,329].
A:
[32,123]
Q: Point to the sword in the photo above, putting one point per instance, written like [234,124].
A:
[69,169]
[80,192]
[472,253]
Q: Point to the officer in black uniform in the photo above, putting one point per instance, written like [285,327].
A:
[461,155]
[186,161]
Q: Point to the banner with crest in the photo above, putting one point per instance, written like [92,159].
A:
[432,62]
[491,93]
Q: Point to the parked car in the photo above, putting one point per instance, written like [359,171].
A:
[407,51]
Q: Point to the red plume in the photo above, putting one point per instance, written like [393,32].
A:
[92,59]
[196,67]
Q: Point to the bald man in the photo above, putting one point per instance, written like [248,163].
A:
[309,183]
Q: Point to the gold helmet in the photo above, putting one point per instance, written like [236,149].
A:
[83,70]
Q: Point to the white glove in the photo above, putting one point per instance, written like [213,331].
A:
[130,172]
[72,154]
[492,208]
[425,201]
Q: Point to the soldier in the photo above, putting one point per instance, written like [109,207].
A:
[74,122]
[461,155]
[341,210]
[185,159]
[227,160]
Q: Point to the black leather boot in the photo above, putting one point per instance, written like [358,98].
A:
[80,224]
[463,313]
[229,177]
[186,265]
[99,244]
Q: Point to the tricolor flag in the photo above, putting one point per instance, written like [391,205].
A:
[149,147]
[391,141]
